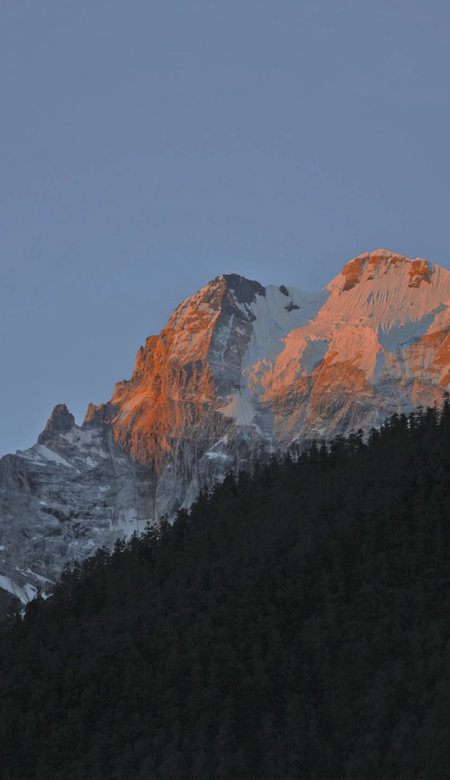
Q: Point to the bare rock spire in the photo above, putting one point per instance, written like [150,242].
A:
[60,421]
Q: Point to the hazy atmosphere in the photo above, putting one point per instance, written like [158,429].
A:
[149,146]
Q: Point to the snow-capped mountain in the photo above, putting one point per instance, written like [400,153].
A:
[239,372]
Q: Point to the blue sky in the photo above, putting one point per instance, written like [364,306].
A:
[150,146]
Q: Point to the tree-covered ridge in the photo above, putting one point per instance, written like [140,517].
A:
[293,625]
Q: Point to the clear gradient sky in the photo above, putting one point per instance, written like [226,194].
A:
[149,145]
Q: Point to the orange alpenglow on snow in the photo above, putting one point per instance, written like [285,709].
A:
[285,365]
[240,372]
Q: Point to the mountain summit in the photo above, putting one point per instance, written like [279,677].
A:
[240,371]
[283,365]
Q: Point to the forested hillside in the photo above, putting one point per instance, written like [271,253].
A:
[294,625]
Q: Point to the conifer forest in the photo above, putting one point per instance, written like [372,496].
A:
[293,624]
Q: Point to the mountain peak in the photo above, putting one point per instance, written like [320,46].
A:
[60,421]
[232,294]
[369,265]
[242,290]
[245,290]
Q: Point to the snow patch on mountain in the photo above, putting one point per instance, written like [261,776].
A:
[240,409]
[24,593]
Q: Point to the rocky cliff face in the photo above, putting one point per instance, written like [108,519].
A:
[239,372]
